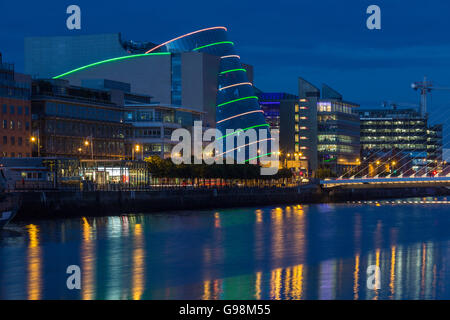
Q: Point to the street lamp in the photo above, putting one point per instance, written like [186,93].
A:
[136,149]
[89,142]
[34,140]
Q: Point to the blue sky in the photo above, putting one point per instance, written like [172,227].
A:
[323,41]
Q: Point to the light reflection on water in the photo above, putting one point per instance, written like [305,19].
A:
[287,252]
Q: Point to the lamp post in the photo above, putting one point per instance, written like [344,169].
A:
[89,142]
[37,139]
[136,149]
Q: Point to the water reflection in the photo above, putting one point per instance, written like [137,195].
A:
[88,260]
[34,263]
[290,252]
[138,263]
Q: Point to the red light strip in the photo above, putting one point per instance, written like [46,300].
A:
[237,84]
[231,56]
[186,35]
[244,146]
[238,115]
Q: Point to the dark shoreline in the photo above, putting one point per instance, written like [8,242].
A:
[72,204]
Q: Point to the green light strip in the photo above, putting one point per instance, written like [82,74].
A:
[232,70]
[225,103]
[242,130]
[214,44]
[111,60]
[258,157]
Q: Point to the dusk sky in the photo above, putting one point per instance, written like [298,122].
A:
[322,41]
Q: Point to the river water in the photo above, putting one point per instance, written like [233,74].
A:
[282,252]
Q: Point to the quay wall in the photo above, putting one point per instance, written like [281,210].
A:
[64,204]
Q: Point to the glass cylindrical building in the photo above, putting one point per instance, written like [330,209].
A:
[237,106]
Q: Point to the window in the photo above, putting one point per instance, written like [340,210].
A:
[11,125]
[5,109]
[27,111]
[19,141]
[27,126]
[5,140]
[19,124]
[19,110]
[5,124]
[13,141]
[11,110]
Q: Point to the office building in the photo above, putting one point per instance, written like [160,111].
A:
[400,134]
[338,144]
[152,125]
[306,119]
[76,122]
[282,112]
[15,112]
[329,129]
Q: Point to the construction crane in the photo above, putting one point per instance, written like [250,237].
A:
[394,105]
[425,87]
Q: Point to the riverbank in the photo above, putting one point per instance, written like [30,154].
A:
[67,204]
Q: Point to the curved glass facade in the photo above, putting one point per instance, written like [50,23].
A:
[237,105]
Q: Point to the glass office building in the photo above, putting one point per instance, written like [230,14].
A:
[76,122]
[338,135]
[403,135]
[152,125]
